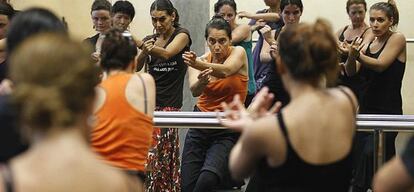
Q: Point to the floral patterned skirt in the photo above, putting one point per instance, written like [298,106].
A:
[163,163]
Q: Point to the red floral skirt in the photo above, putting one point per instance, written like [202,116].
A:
[163,163]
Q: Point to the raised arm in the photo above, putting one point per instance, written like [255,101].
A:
[395,49]
[151,48]
[231,66]
[240,33]
[269,17]
[178,43]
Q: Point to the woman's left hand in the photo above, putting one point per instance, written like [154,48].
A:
[236,115]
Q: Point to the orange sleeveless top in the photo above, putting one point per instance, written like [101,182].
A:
[222,90]
[122,134]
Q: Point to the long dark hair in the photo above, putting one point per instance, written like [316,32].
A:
[221,3]
[218,22]
[167,6]
[30,22]
[285,3]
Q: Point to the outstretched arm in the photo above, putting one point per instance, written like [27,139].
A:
[396,45]
[269,17]
[231,65]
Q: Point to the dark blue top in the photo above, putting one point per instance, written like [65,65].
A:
[265,74]
[383,92]
[297,175]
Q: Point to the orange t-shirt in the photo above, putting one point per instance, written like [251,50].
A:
[222,90]
[122,134]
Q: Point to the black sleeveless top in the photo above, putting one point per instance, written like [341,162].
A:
[169,74]
[296,175]
[342,39]
[7,177]
[383,92]
[355,82]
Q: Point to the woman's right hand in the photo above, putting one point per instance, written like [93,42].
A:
[243,14]
[355,48]
[237,116]
[190,58]
[261,105]
[267,34]
[148,46]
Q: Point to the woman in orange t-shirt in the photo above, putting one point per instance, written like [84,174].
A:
[124,107]
[216,79]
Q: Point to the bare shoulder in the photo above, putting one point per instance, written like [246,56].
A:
[112,179]
[345,96]
[260,133]
[243,27]
[148,79]
[238,50]
[398,38]
[182,37]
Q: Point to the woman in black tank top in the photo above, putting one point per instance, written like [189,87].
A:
[356,10]
[381,63]
[286,149]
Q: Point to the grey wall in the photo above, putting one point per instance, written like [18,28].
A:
[194,15]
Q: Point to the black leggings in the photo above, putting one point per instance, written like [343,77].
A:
[207,181]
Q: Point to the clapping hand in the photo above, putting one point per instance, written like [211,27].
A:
[238,117]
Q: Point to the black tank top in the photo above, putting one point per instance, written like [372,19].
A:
[169,74]
[383,92]
[355,82]
[7,176]
[297,175]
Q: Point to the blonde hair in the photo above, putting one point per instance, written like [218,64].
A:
[55,79]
